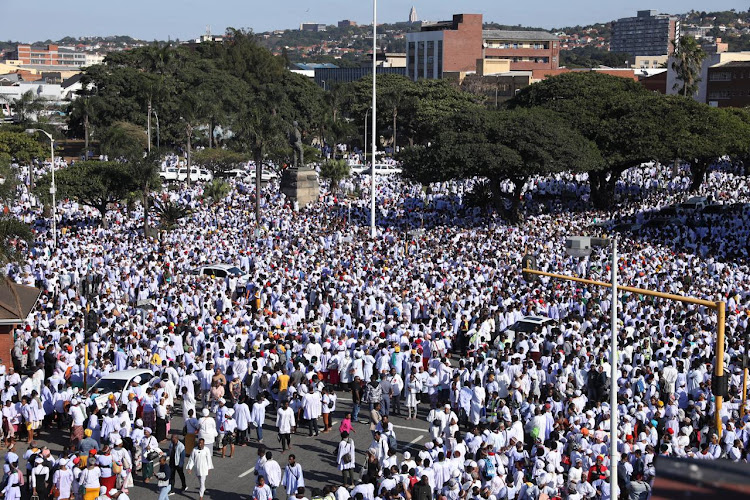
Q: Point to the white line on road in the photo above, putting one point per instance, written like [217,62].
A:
[414,441]
[408,428]
[250,471]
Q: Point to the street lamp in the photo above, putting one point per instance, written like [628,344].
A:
[367,112]
[580,246]
[52,187]
[373,233]
[158,143]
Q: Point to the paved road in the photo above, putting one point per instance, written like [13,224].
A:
[233,478]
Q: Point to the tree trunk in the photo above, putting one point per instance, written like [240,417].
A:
[86,134]
[258,170]
[211,127]
[698,170]
[515,208]
[146,228]
[601,197]
[187,159]
[103,212]
[395,113]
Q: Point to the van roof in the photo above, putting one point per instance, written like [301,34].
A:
[128,374]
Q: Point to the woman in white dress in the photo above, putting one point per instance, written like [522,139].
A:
[207,429]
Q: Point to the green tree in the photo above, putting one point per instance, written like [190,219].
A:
[700,135]
[619,115]
[335,171]
[124,141]
[499,146]
[96,184]
[144,174]
[15,236]
[27,105]
[219,160]
[215,190]
[689,56]
[170,214]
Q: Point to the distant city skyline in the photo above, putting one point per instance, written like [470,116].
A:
[186,19]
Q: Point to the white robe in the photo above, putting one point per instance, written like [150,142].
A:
[292,479]
[312,405]
[207,430]
[242,416]
[201,461]
[285,420]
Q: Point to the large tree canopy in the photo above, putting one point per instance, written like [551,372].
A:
[500,146]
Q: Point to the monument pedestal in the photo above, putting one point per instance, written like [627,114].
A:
[300,185]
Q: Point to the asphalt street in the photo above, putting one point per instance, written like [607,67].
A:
[234,478]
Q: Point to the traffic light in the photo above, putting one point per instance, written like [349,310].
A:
[720,384]
[529,262]
[90,325]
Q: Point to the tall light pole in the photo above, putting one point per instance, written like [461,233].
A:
[158,143]
[373,232]
[52,187]
[580,246]
[367,112]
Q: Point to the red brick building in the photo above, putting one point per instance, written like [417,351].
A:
[728,85]
[457,46]
[16,302]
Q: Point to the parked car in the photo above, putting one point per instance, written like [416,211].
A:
[382,169]
[222,271]
[196,175]
[248,175]
[116,382]
[527,324]
[168,174]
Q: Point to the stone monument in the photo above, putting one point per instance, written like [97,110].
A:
[299,183]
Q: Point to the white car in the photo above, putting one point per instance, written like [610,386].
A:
[115,383]
[222,271]
[249,174]
[168,174]
[196,174]
[383,169]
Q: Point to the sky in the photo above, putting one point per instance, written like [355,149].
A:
[29,21]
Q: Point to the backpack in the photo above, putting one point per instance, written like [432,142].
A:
[489,469]
[263,383]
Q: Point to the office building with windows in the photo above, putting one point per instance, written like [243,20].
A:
[647,34]
[461,46]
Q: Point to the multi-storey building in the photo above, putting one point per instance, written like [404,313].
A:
[647,34]
[461,45]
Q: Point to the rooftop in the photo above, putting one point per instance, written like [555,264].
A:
[517,35]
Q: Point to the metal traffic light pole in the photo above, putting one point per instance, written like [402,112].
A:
[719,307]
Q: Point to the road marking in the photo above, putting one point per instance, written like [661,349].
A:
[250,471]
[414,441]
[408,428]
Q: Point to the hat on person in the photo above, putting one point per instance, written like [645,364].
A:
[38,460]
[407,455]
[87,433]
[147,429]
[63,462]
[205,412]
[111,492]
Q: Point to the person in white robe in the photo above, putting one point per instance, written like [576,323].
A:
[200,460]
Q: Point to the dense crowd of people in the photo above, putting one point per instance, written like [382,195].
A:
[398,322]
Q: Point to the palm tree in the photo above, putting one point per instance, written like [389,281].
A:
[27,105]
[170,214]
[215,190]
[689,56]
[14,236]
[144,172]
